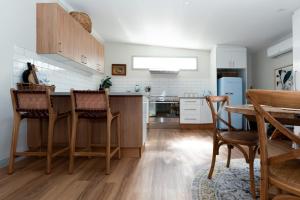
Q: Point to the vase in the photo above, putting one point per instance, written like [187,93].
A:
[107,91]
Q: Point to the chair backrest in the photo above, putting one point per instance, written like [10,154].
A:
[280,99]
[30,101]
[88,100]
[222,101]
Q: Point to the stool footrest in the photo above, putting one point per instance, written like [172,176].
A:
[86,154]
[30,153]
[114,152]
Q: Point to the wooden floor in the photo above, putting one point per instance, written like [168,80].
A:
[165,171]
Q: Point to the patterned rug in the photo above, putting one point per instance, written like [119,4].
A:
[227,183]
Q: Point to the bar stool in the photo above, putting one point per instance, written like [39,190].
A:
[93,105]
[29,104]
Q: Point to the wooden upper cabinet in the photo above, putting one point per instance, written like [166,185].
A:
[59,34]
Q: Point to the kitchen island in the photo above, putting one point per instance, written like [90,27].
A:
[133,108]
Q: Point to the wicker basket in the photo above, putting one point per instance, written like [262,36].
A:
[83,19]
[35,87]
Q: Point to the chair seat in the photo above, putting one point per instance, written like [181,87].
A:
[240,137]
[287,173]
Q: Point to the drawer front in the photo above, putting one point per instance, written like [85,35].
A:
[189,109]
[190,119]
[187,118]
[189,102]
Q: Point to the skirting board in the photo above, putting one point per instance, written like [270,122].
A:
[197,126]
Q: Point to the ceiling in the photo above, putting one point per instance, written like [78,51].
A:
[194,24]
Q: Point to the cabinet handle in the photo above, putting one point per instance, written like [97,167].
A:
[190,101]
[190,119]
[86,60]
[190,109]
[60,47]
[83,59]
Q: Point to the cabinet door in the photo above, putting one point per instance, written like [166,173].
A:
[80,45]
[224,58]
[89,51]
[205,113]
[99,57]
[239,58]
[231,57]
[65,34]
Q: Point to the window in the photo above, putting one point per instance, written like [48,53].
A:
[165,63]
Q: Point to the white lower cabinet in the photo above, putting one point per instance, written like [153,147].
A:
[194,111]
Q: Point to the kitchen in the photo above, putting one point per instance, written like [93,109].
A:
[156,65]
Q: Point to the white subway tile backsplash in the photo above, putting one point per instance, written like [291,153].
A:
[162,86]
[52,72]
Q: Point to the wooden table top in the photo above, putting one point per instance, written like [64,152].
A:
[279,113]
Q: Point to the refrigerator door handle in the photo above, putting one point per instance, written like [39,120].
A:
[229,93]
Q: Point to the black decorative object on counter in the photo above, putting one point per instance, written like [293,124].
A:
[29,75]
[148,89]
[105,83]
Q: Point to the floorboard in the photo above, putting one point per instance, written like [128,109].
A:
[165,171]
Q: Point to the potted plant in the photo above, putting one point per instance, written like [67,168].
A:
[105,83]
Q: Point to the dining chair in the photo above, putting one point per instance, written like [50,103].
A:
[232,138]
[283,170]
[94,106]
[35,104]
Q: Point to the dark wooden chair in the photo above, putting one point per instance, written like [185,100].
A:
[35,105]
[283,170]
[93,105]
[232,138]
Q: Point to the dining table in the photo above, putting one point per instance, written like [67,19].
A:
[287,116]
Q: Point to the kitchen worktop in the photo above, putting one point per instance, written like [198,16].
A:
[110,94]
[203,97]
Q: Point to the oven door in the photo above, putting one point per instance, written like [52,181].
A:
[164,109]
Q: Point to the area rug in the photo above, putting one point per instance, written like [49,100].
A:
[227,183]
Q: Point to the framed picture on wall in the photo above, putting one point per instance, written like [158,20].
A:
[284,78]
[118,69]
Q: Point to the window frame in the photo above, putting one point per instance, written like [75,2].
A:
[195,57]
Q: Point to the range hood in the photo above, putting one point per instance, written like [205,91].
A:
[162,71]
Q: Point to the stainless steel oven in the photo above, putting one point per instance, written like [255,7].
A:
[164,111]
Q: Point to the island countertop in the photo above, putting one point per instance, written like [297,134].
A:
[110,94]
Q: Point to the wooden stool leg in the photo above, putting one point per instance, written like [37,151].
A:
[69,129]
[14,142]
[229,155]
[52,120]
[90,124]
[214,155]
[251,171]
[119,136]
[73,142]
[108,132]
[41,135]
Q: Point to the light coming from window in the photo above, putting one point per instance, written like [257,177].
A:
[165,63]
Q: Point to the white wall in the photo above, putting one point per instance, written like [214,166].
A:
[17,46]
[263,68]
[296,46]
[185,81]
